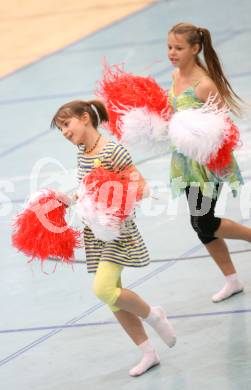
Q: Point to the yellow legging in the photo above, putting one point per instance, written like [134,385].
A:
[107,283]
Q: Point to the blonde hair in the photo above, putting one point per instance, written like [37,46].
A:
[201,36]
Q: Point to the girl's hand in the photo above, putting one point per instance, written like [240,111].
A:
[67,200]
[74,198]
[143,185]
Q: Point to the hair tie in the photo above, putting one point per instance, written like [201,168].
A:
[94,108]
[200,31]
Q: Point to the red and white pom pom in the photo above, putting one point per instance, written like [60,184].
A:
[138,107]
[223,157]
[151,133]
[104,225]
[205,134]
[108,198]
[40,230]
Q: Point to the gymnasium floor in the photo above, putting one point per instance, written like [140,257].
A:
[54,334]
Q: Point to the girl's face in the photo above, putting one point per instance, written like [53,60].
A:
[73,129]
[180,52]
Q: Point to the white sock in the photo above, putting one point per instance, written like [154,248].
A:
[232,286]
[157,319]
[150,359]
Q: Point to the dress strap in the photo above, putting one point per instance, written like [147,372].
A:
[198,81]
[174,79]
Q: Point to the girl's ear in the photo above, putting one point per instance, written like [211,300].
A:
[196,49]
[85,117]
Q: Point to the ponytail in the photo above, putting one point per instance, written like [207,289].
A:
[216,73]
[100,112]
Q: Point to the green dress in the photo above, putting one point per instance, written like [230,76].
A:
[186,172]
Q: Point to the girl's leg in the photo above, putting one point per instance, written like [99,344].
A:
[134,328]
[129,322]
[153,315]
[132,325]
[233,230]
[220,253]
[211,231]
[106,289]
[131,302]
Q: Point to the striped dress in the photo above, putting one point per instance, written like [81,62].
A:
[129,248]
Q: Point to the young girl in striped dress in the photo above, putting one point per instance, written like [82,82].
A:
[193,83]
[79,122]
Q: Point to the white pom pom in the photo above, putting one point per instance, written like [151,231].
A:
[102,223]
[199,133]
[145,129]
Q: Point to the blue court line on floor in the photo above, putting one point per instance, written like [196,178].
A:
[73,94]
[77,93]
[164,260]
[85,92]
[45,337]
[32,99]
[100,323]
[100,30]
[28,141]
[115,46]
[24,143]
[151,42]
[148,42]
[32,139]
[18,201]
[90,310]
[211,314]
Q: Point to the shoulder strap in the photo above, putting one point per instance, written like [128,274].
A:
[174,77]
[198,81]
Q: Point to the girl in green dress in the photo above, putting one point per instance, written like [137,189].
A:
[193,83]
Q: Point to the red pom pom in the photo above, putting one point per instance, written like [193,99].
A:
[223,157]
[116,192]
[40,230]
[123,91]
